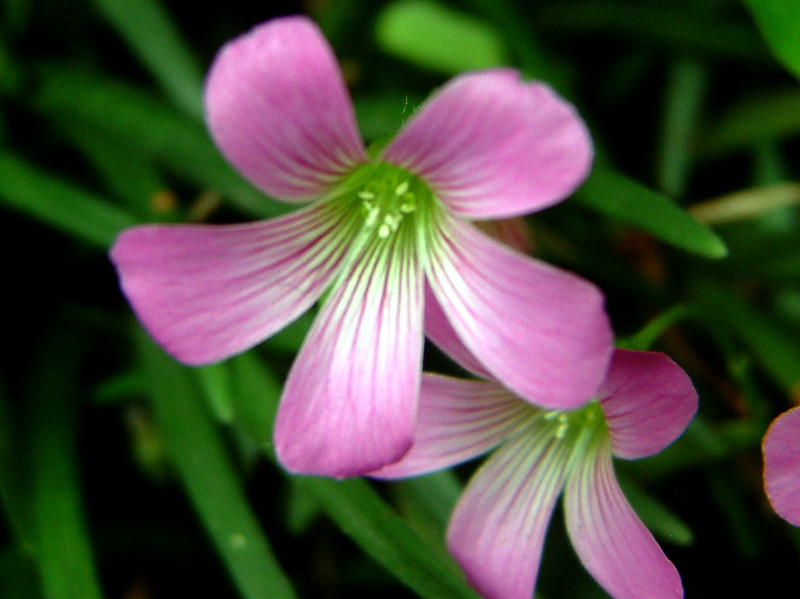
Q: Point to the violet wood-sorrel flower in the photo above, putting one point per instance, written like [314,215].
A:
[386,238]
[782,465]
[497,529]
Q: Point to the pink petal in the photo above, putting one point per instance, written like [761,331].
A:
[457,420]
[491,146]
[278,108]
[206,292]
[609,538]
[349,403]
[497,530]
[782,465]
[648,401]
[540,331]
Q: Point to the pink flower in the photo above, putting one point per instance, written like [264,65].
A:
[385,238]
[782,465]
[497,530]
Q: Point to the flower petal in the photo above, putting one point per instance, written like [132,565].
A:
[278,108]
[782,465]
[540,331]
[648,401]
[609,538]
[497,530]
[206,292]
[457,420]
[491,146]
[349,403]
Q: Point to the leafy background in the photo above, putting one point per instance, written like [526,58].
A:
[124,474]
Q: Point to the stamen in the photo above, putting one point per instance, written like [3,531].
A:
[563,425]
[401,188]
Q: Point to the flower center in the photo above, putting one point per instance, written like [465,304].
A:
[387,197]
[385,203]
[588,420]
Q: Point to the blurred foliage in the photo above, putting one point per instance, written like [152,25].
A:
[124,474]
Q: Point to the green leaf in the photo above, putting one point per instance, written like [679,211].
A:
[433,36]
[64,552]
[203,464]
[620,197]
[687,82]
[779,21]
[59,204]
[141,123]
[353,504]
[360,512]
[759,118]
[256,391]
[216,386]
[644,338]
[777,351]
[149,31]
[130,176]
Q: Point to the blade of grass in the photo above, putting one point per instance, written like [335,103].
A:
[210,479]
[777,351]
[64,552]
[425,33]
[358,510]
[140,123]
[765,117]
[615,195]
[128,175]
[75,211]
[665,24]
[353,505]
[779,21]
[686,85]
[155,39]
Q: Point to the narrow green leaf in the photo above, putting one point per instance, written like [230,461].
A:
[128,175]
[19,578]
[256,391]
[352,504]
[358,510]
[756,119]
[777,351]
[204,465]
[618,196]
[686,85]
[779,21]
[140,123]
[427,33]
[64,552]
[667,24]
[216,386]
[57,203]
[528,52]
[153,36]
[644,338]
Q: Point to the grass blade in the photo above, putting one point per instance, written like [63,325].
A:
[615,195]
[64,552]
[80,213]
[210,479]
[149,31]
